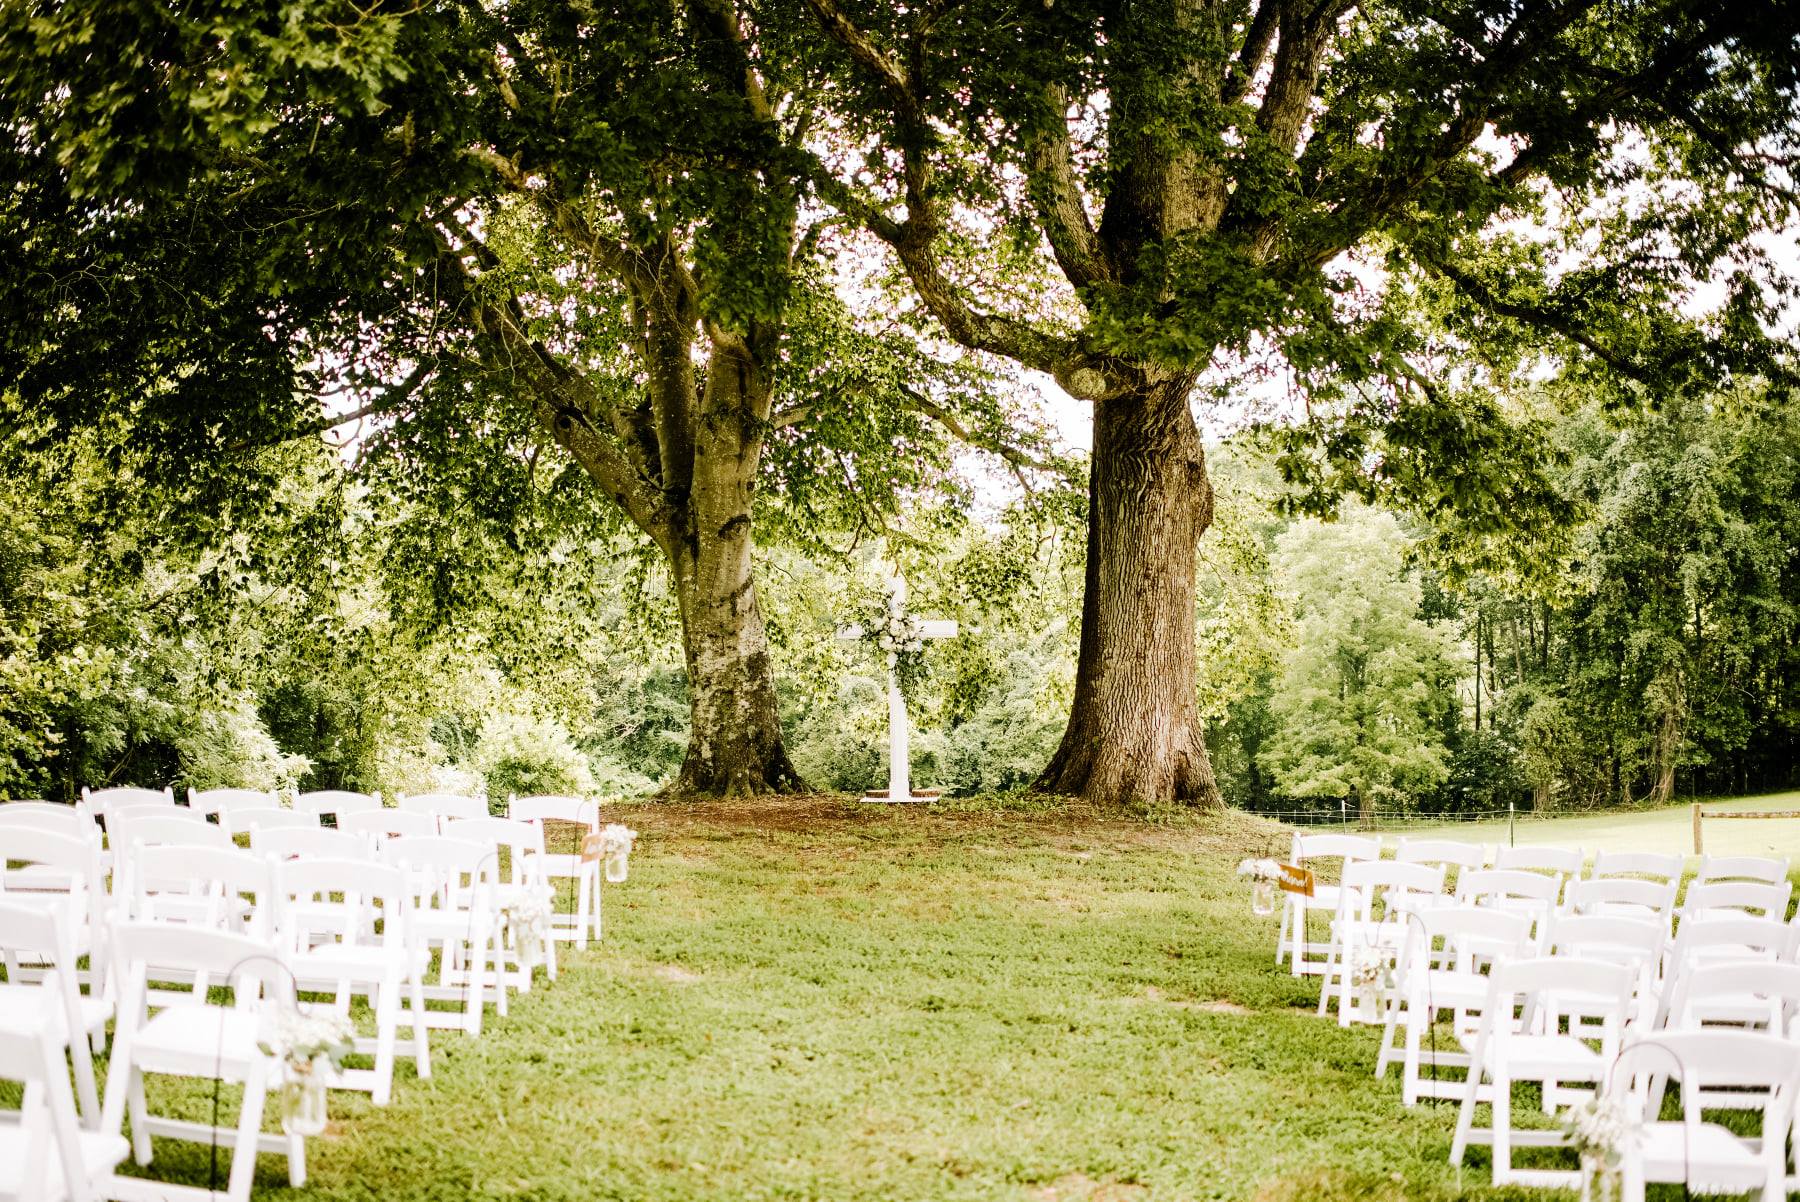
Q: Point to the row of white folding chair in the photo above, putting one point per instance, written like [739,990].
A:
[1440,969]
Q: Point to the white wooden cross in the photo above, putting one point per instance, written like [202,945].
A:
[899,751]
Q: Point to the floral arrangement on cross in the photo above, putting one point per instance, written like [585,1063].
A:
[898,637]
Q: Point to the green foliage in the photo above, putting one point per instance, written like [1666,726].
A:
[523,753]
[228,747]
[1357,703]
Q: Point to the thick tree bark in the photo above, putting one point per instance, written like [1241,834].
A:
[1134,732]
[734,742]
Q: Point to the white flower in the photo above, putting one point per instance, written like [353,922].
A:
[1601,1128]
[1262,870]
[616,837]
[1368,967]
[301,1038]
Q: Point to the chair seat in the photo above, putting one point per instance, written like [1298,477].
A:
[100,1153]
[566,864]
[1446,988]
[1559,1057]
[27,1000]
[359,961]
[192,1040]
[1709,1158]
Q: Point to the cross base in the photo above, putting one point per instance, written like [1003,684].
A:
[881,797]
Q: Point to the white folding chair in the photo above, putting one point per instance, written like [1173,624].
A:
[225,804]
[1294,940]
[1441,969]
[370,951]
[1722,938]
[46,1155]
[42,937]
[250,820]
[1754,898]
[1623,897]
[225,888]
[583,814]
[1515,890]
[1637,943]
[1706,1156]
[1765,869]
[335,803]
[454,909]
[381,825]
[1562,863]
[1373,898]
[55,816]
[1443,853]
[1650,865]
[520,883]
[1533,1046]
[1759,994]
[61,872]
[196,1037]
[310,842]
[445,805]
[66,820]
[102,802]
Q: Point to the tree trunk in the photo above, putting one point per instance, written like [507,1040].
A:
[735,747]
[1134,732]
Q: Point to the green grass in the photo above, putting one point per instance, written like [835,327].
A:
[1667,829]
[816,999]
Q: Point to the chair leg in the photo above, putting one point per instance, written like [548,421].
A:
[1502,1129]
[87,1095]
[140,1117]
[296,1158]
[421,1034]
[386,1001]
[1465,1115]
[249,1125]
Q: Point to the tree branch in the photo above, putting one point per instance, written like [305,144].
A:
[1050,175]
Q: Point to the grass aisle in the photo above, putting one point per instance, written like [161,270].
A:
[821,1000]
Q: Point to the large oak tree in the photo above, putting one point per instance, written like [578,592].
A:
[491,226]
[1405,205]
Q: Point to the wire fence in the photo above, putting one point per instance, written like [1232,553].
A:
[1346,818]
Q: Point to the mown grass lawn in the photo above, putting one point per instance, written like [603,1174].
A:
[817,999]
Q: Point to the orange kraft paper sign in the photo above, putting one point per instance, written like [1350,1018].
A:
[1295,879]
[590,848]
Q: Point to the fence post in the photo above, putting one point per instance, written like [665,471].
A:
[1344,811]
[1698,846]
[1511,808]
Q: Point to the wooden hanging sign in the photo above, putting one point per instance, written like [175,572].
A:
[1295,879]
[590,848]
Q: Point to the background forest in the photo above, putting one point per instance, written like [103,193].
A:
[340,629]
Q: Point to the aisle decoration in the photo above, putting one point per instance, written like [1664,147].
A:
[311,1048]
[1263,874]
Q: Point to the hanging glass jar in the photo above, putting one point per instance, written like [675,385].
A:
[1262,896]
[303,1109]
